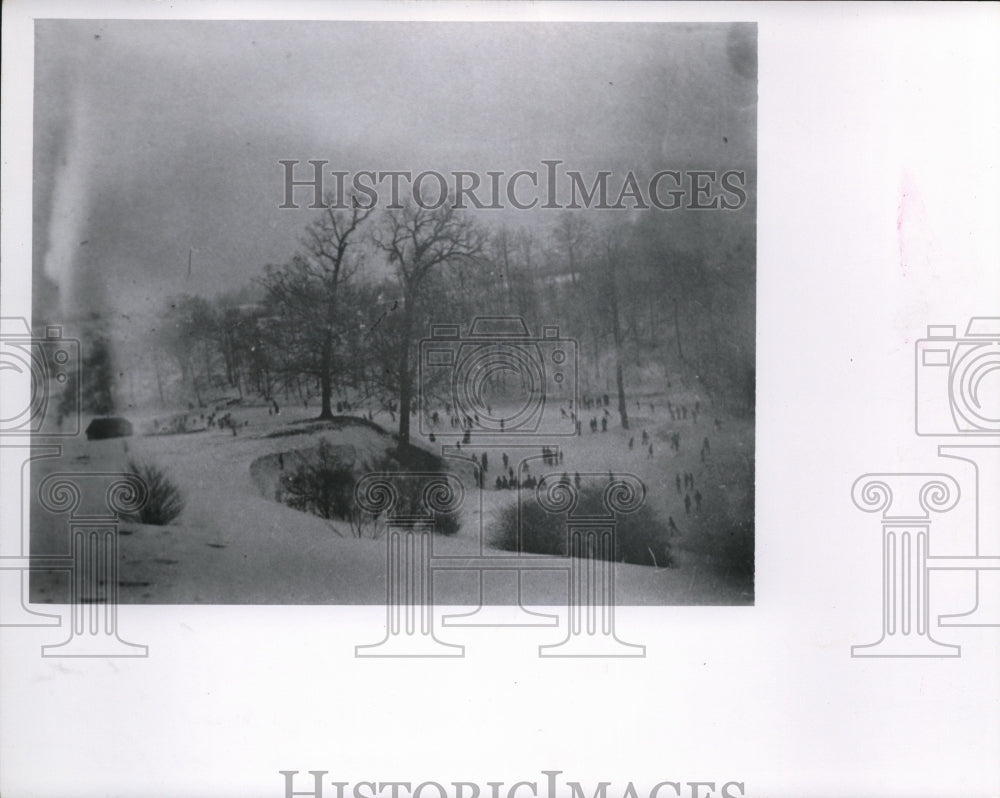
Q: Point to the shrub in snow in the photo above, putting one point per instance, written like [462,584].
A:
[164,502]
[640,537]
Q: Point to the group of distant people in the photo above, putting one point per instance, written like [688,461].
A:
[604,423]
[590,402]
[688,485]
[225,421]
[599,422]
[509,479]
[680,412]
[646,443]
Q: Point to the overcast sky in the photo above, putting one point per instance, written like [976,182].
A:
[153,138]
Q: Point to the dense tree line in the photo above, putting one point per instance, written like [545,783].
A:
[663,298]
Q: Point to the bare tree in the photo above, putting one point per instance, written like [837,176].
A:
[305,293]
[570,238]
[615,261]
[187,335]
[416,241]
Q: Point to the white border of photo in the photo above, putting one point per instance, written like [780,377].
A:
[858,105]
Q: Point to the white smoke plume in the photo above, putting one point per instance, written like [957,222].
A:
[66,232]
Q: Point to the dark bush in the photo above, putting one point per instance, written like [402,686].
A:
[164,502]
[325,487]
[640,537]
[411,503]
[413,458]
[109,427]
[410,490]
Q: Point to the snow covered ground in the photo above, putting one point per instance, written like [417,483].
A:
[233,544]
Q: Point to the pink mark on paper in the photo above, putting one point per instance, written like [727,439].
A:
[912,227]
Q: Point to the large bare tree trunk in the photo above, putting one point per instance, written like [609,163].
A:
[677,332]
[405,389]
[325,378]
[418,241]
[617,331]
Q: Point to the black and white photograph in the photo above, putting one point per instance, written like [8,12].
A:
[292,254]
[424,399]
